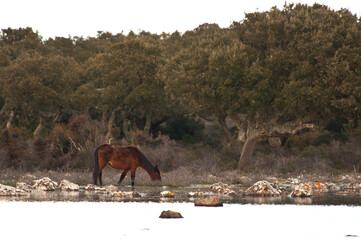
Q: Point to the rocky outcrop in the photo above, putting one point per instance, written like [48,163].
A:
[222,188]
[170,214]
[262,189]
[6,190]
[302,190]
[23,186]
[45,184]
[68,186]
[211,201]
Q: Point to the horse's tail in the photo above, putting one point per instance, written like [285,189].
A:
[96,166]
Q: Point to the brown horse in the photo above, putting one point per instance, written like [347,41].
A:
[124,158]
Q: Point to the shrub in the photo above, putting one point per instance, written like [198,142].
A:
[186,129]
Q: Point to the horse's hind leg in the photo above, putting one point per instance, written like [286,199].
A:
[122,176]
[100,179]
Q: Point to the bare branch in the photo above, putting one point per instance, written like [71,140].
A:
[79,148]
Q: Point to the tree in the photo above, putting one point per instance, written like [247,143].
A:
[275,73]
[298,45]
[198,77]
[128,82]
[37,85]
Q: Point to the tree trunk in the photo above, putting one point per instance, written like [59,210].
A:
[40,127]
[253,133]
[226,135]
[247,151]
[155,124]
[125,127]
[108,136]
[148,122]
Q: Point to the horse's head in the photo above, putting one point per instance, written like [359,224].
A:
[156,174]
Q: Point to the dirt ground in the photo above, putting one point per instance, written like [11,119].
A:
[180,177]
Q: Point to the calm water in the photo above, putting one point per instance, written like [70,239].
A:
[89,215]
[152,194]
[140,220]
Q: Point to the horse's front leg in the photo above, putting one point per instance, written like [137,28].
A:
[122,176]
[133,178]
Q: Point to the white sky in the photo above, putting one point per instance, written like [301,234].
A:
[85,17]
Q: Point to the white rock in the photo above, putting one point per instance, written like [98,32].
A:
[68,186]
[131,194]
[92,187]
[11,191]
[196,194]
[222,188]
[302,190]
[262,188]
[45,184]
[24,186]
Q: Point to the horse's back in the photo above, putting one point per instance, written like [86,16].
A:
[120,157]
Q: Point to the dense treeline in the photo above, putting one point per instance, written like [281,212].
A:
[273,74]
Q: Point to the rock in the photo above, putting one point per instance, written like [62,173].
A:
[353,186]
[167,194]
[222,188]
[68,186]
[347,178]
[11,191]
[211,201]
[302,190]
[293,181]
[170,214]
[319,187]
[127,194]
[45,184]
[262,189]
[92,187]
[332,187]
[196,194]
[24,186]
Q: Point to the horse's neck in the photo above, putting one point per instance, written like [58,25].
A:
[147,166]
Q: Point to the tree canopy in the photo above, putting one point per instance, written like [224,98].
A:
[273,73]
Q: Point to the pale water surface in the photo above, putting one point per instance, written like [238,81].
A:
[140,220]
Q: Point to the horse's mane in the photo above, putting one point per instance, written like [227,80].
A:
[147,165]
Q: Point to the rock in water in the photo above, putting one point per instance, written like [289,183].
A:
[222,188]
[170,214]
[167,194]
[262,189]
[211,201]
[68,186]
[11,191]
[45,184]
[302,190]
[24,186]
